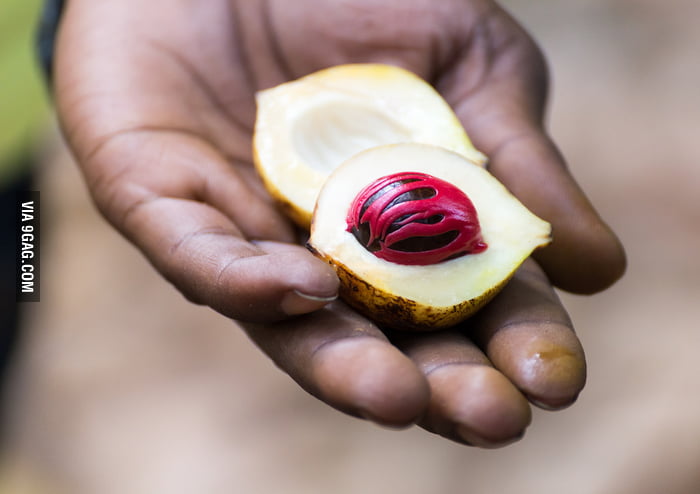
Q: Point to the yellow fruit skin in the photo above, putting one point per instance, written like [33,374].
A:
[299,216]
[398,312]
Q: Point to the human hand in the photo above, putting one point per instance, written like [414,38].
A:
[156,101]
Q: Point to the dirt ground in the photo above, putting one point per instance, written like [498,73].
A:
[123,387]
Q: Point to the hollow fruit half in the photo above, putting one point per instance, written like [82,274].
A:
[306,128]
[420,236]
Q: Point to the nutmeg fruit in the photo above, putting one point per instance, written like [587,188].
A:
[426,261]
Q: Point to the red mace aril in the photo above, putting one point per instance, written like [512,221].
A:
[413,218]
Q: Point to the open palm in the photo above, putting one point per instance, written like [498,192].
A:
[157,103]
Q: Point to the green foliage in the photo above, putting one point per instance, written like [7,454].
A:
[23,98]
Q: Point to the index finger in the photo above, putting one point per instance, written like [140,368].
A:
[190,213]
[203,254]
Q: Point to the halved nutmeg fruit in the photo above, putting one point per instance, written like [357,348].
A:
[308,127]
[420,237]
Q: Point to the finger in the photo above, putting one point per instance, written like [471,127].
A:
[528,336]
[203,254]
[501,105]
[470,401]
[149,185]
[344,360]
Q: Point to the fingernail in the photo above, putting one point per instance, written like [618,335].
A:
[295,302]
[475,440]
[552,407]
[365,414]
[383,422]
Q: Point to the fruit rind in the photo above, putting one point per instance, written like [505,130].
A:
[402,313]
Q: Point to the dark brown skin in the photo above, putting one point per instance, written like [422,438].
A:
[156,100]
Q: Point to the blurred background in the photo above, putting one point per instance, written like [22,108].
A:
[166,397]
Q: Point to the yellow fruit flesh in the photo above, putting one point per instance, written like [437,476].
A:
[308,127]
